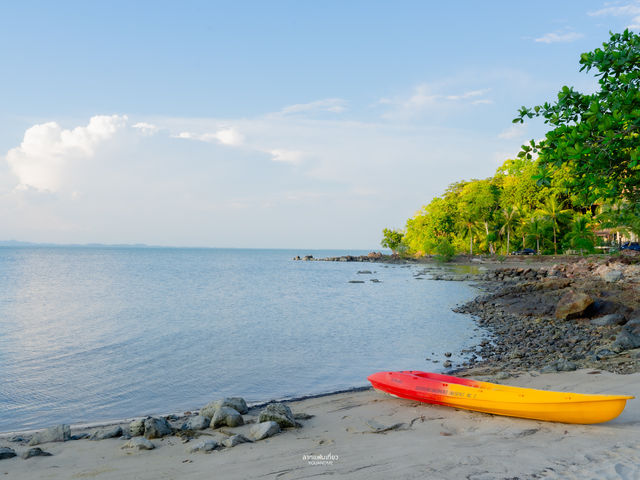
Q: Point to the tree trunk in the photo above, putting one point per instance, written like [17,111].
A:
[508,241]
[470,242]
[555,244]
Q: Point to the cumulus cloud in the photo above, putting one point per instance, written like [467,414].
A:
[559,37]
[47,149]
[226,136]
[631,10]
[334,105]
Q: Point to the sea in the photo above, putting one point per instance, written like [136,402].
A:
[91,334]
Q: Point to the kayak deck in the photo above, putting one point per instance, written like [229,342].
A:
[488,397]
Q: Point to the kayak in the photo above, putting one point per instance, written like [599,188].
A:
[488,397]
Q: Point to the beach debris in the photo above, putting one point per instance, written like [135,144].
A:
[6,452]
[279,413]
[237,403]
[572,304]
[58,433]
[226,416]
[204,446]
[139,443]
[364,272]
[156,427]
[136,428]
[35,452]
[377,427]
[197,422]
[109,432]
[234,440]
[263,430]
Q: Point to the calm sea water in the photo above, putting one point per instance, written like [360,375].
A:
[90,334]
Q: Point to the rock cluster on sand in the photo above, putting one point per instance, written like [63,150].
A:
[58,433]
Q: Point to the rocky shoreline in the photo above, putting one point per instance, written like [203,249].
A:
[558,317]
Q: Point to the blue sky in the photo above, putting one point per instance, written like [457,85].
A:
[268,124]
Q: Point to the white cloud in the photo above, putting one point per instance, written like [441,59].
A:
[625,10]
[146,128]
[226,136]
[514,131]
[555,37]
[293,157]
[429,96]
[334,105]
[47,150]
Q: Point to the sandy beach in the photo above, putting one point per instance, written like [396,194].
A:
[340,441]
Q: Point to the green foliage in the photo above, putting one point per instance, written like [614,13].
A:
[593,148]
[392,239]
[444,250]
[581,237]
[588,160]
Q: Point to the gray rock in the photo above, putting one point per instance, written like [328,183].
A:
[263,430]
[629,336]
[136,428]
[197,422]
[204,446]
[565,366]
[139,443]
[6,452]
[19,439]
[80,436]
[612,276]
[35,452]
[226,416]
[59,433]
[235,440]
[237,403]
[279,413]
[110,432]
[155,427]
[502,376]
[607,320]
[447,364]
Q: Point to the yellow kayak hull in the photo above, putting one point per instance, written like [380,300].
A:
[497,399]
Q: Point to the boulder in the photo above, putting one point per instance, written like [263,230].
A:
[237,403]
[110,432]
[59,433]
[35,452]
[139,443]
[234,440]
[279,413]
[197,422]
[263,430]
[572,305]
[608,320]
[155,427]
[629,336]
[612,276]
[6,452]
[136,428]
[226,416]
[204,446]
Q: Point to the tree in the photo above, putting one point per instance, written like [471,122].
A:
[581,236]
[593,147]
[509,217]
[477,201]
[553,212]
[392,239]
[535,230]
